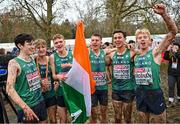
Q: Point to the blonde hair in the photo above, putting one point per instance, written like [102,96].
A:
[58,36]
[144,30]
[40,42]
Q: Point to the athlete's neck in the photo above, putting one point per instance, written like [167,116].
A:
[143,51]
[24,56]
[96,51]
[121,50]
[62,53]
[41,59]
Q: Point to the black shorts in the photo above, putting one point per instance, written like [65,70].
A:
[39,110]
[101,96]
[50,101]
[150,101]
[60,101]
[124,96]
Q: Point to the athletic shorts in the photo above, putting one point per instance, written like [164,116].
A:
[150,101]
[50,101]
[124,96]
[39,110]
[100,96]
[60,101]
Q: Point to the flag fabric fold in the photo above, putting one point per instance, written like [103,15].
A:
[79,85]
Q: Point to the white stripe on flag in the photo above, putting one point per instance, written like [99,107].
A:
[78,79]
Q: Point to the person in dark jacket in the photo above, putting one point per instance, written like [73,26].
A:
[173,56]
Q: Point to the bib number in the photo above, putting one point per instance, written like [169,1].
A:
[143,76]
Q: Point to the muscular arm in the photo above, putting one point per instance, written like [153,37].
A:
[13,69]
[132,53]
[172,31]
[53,67]
[108,51]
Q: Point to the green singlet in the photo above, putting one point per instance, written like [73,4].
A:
[122,69]
[58,60]
[99,69]
[50,92]
[147,72]
[28,84]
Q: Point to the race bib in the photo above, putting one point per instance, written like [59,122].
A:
[143,76]
[174,65]
[33,81]
[121,71]
[100,78]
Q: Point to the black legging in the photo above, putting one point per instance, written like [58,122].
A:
[1,114]
[171,85]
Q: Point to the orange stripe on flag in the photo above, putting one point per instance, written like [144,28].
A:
[81,53]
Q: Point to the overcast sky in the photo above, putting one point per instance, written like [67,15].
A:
[70,13]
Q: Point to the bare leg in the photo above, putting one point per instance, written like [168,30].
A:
[127,111]
[103,114]
[144,117]
[118,111]
[160,118]
[62,112]
[94,115]
[52,114]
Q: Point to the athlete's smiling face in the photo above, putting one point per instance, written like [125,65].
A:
[28,47]
[41,49]
[59,44]
[95,42]
[143,40]
[119,39]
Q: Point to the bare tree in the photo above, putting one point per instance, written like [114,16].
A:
[42,13]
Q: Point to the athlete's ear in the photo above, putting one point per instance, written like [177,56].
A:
[19,45]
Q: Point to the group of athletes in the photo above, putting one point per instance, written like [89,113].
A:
[34,81]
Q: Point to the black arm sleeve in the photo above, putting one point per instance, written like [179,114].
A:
[166,55]
[177,55]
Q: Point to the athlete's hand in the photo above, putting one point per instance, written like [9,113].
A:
[29,114]
[61,77]
[66,65]
[169,47]
[56,85]
[130,46]
[45,85]
[175,48]
[159,9]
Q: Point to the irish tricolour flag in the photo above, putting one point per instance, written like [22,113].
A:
[79,84]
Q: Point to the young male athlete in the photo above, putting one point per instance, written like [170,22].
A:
[61,62]
[24,84]
[47,82]
[123,83]
[98,67]
[149,96]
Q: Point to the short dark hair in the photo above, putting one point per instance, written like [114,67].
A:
[176,43]
[131,41]
[120,31]
[97,35]
[22,38]
[107,43]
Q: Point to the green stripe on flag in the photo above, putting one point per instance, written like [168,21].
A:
[75,103]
